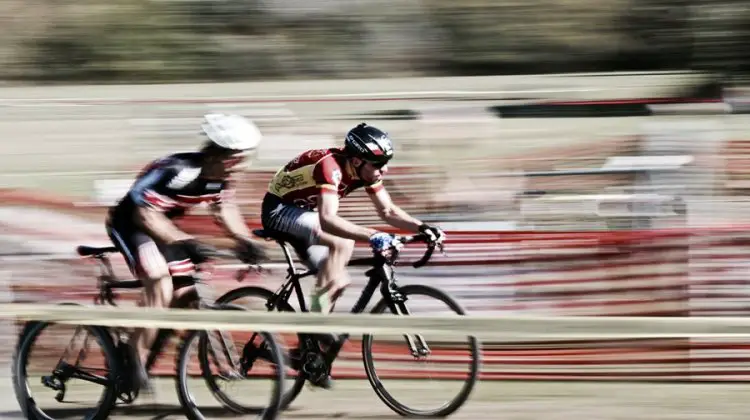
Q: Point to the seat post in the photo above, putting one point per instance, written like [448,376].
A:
[288,256]
[106,267]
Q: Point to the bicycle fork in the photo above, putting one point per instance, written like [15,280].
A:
[397,303]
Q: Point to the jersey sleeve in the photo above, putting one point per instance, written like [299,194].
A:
[327,175]
[374,188]
[151,190]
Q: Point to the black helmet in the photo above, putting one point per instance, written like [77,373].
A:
[369,144]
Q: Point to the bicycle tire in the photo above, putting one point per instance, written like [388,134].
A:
[192,411]
[377,385]
[252,291]
[19,374]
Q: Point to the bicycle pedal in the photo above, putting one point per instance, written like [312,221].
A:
[128,397]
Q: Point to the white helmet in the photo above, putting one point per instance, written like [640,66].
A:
[232,132]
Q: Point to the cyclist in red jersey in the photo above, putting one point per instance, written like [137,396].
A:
[302,203]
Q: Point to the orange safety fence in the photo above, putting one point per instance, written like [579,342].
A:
[700,272]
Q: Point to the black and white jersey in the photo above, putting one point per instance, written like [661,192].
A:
[171,185]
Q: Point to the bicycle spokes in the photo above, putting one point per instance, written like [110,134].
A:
[47,374]
[223,348]
[453,362]
[64,371]
[71,347]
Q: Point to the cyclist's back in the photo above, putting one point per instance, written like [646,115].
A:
[301,180]
[171,185]
[288,209]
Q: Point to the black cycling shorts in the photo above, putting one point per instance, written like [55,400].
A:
[127,238]
[297,226]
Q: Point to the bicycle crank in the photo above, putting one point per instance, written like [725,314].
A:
[314,367]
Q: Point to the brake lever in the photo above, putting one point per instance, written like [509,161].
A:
[441,248]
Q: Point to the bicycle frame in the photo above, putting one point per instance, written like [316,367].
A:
[107,282]
[380,275]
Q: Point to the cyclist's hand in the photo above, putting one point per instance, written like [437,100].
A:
[382,242]
[198,252]
[251,252]
[435,234]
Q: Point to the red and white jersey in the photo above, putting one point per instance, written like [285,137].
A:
[317,171]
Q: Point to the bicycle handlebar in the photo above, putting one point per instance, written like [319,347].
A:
[229,255]
[405,240]
[422,237]
[222,254]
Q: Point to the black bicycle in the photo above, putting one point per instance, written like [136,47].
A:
[113,371]
[314,355]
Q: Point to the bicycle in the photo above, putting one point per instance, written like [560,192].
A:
[312,363]
[117,355]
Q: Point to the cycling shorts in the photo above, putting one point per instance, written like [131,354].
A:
[128,238]
[297,226]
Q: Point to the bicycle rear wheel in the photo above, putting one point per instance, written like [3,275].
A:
[464,353]
[255,298]
[65,374]
[220,360]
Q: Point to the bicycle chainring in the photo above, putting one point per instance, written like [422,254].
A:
[314,366]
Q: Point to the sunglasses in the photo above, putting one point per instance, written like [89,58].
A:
[378,165]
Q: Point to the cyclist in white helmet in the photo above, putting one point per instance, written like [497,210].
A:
[157,252]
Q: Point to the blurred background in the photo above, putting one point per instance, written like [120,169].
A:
[177,41]
[586,158]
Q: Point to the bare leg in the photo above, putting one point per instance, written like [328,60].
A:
[333,277]
[157,293]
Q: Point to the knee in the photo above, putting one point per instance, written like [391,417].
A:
[185,297]
[153,267]
[344,247]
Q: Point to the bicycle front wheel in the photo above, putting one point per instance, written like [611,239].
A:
[408,360]
[256,361]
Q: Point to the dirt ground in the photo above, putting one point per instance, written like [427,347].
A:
[497,400]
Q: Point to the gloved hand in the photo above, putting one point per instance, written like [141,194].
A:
[197,251]
[436,235]
[381,242]
[251,252]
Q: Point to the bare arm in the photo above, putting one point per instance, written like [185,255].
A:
[156,223]
[228,215]
[393,214]
[331,222]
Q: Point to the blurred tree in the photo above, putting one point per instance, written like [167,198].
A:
[166,40]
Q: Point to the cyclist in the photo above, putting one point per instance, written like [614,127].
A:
[157,252]
[302,203]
